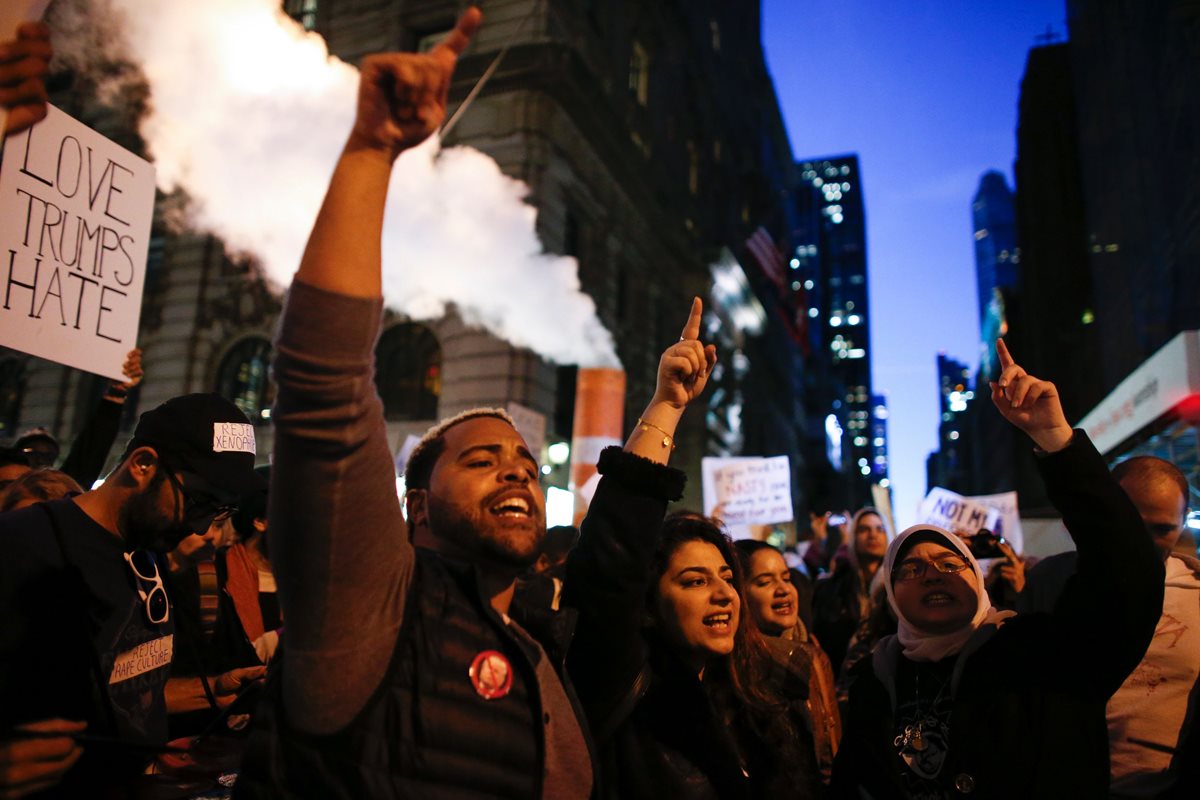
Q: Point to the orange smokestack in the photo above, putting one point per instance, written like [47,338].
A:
[599,422]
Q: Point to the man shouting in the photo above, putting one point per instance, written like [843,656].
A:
[402,675]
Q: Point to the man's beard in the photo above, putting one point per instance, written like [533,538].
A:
[145,526]
[478,539]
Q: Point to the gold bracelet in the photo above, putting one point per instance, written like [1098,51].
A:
[667,440]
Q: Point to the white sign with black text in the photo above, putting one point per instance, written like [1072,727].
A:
[75,216]
[748,491]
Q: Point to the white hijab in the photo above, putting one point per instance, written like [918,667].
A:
[919,645]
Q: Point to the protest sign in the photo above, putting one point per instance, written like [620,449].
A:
[1008,523]
[75,214]
[748,491]
[957,514]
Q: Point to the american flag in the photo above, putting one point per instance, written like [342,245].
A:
[793,308]
[768,257]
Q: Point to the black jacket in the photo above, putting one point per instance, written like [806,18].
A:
[1028,699]
[836,613]
[426,732]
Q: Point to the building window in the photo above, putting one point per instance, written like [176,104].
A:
[639,73]
[408,372]
[243,378]
[715,29]
[12,390]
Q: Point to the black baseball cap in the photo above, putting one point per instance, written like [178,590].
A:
[204,434]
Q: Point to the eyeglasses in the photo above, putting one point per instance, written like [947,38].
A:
[200,510]
[145,569]
[915,568]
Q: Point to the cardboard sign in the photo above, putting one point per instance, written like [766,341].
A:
[1008,523]
[957,514]
[75,214]
[748,491]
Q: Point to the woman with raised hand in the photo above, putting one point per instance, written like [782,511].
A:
[676,688]
[966,699]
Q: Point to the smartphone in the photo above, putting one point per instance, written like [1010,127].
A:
[837,519]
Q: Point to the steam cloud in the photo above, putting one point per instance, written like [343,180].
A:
[248,113]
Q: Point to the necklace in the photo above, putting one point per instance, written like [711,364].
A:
[913,736]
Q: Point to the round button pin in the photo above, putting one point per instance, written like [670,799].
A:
[491,675]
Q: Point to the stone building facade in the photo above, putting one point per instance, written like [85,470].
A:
[650,137]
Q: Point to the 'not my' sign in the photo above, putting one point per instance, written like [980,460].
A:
[75,214]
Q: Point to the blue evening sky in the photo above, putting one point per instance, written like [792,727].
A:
[925,92]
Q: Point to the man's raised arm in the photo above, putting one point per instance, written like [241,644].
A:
[401,103]
[339,545]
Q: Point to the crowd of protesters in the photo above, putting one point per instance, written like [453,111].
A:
[182,626]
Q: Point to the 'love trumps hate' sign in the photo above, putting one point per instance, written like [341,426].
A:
[75,214]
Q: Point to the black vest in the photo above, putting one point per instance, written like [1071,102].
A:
[426,732]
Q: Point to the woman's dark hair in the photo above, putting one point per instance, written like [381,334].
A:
[746,548]
[737,684]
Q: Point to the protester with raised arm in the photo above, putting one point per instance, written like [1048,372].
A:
[678,690]
[402,673]
[966,699]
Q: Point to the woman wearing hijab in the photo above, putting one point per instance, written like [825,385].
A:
[965,699]
[842,602]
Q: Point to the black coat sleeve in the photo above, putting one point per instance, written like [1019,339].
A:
[90,449]
[608,574]
[1106,616]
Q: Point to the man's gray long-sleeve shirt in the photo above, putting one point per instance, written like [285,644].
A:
[339,544]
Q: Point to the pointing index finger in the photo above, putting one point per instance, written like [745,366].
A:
[456,41]
[1006,359]
[691,330]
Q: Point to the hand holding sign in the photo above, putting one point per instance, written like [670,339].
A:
[1030,404]
[402,96]
[24,63]
[133,372]
[685,366]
